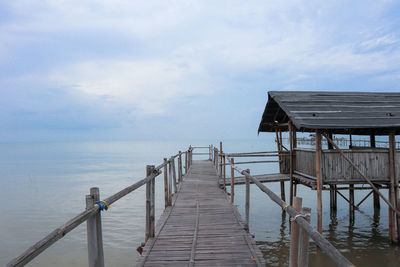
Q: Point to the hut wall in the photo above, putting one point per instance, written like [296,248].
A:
[335,169]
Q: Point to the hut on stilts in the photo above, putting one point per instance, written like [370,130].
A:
[335,168]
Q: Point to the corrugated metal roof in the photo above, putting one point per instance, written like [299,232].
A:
[339,112]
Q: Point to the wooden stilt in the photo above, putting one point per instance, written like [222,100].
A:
[351,204]
[318,176]
[291,161]
[304,240]
[220,159]
[279,146]
[393,187]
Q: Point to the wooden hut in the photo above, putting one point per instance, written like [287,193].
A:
[334,168]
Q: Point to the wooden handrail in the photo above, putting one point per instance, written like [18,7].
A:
[324,244]
[61,231]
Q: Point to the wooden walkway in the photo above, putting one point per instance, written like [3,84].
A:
[201,228]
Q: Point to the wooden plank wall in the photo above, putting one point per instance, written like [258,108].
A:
[372,162]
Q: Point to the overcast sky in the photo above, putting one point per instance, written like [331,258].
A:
[132,70]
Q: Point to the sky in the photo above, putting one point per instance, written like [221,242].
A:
[100,70]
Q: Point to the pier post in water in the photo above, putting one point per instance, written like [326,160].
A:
[180,175]
[94,231]
[319,178]
[247,205]
[294,234]
[304,240]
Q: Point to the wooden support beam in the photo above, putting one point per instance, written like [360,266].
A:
[291,162]
[318,155]
[279,146]
[392,188]
[170,182]
[220,159]
[358,205]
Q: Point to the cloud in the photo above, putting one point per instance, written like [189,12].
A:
[149,87]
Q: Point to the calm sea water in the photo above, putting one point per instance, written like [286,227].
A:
[44,185]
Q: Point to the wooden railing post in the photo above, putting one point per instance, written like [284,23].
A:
[150,200]
[94,231]
[174,174]
[304,240]
[232,181]
[247,205]
[169,182]
[166,194]
[294,234]
[186,162]
[220,159]
[224,173]
[180,175]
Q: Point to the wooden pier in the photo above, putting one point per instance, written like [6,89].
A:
[201,227]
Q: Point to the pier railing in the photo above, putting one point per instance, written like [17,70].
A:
[301,229]
[94,206]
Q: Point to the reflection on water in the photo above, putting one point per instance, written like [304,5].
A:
[44,185]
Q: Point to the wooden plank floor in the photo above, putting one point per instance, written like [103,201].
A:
[201,228]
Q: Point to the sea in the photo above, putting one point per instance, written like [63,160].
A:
[43,185]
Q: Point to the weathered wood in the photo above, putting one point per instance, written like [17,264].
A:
[279,146]
[392,194]
[351,204]
[247,203]
[148,204]
[232,182]
[318,175]
[321,242]
[166,192]
[304,240]
[152,202]
[263,178]
[170,181]
[61,231]
[294,235]
[291,133]
[94,231]
[186,162]
[361,174]
[220,159]
[201,227]
[174,174]
[362,200]
[180,175]
[224,172]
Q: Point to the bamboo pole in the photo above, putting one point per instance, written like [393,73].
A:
[232,181]
[294,235]
[291,161]
[94,231]
[166,192]
[318,176]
